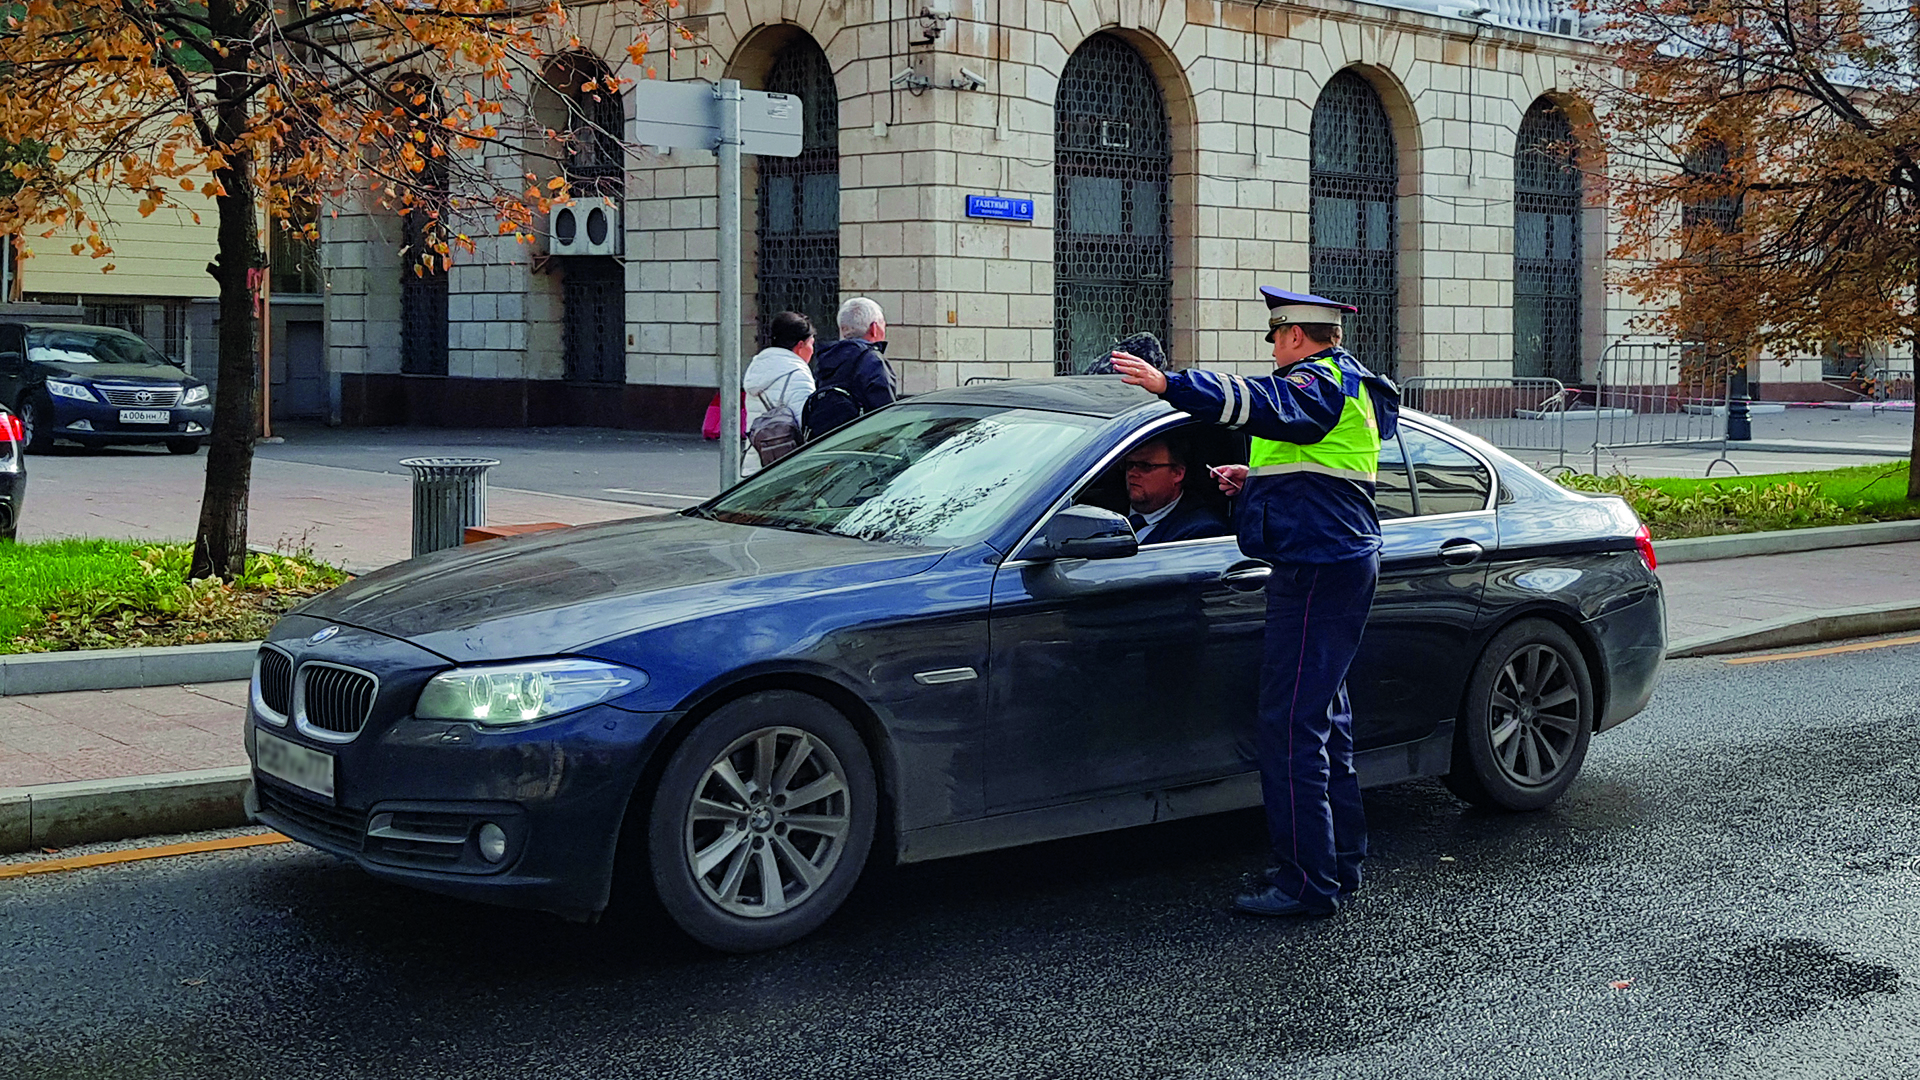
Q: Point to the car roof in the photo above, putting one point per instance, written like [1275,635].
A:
[1089,395]
[35,324]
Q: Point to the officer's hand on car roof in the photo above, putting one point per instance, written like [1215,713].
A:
[1137,372]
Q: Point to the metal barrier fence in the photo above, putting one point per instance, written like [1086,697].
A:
[1654,394]
[1517,415]
[1892,384]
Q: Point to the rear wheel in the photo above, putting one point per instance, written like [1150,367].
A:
[1529,715]
[36,416]
[183,446]
[762,822]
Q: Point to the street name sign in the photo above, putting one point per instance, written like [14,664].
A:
[994,206]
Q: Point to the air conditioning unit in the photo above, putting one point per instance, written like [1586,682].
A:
[586,226]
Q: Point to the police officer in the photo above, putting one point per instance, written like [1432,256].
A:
[1316,425]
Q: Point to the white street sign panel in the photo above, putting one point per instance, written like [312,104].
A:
[687,114]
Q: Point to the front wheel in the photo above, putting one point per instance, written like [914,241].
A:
[762,822]
[183,446]
[36,417]
[1528,717]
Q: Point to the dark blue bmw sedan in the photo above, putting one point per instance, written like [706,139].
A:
[932,632]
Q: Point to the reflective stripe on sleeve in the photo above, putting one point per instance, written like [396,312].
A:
[1285,467]
[1246,402]
[1229,406]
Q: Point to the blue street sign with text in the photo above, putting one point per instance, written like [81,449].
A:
[993,206]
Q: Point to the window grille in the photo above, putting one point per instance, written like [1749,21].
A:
[1546,247]
[174,331]
[594,296]
[1354,218]
[1113,166]
[123,316]
[596,161]
[423,292]
[798,230]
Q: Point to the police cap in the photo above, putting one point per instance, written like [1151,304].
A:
[1288,308]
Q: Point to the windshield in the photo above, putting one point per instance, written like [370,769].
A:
[90,346]
[931,475]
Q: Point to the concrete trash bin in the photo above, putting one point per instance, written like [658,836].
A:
[449,494]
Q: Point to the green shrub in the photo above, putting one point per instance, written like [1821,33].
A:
[1719,506]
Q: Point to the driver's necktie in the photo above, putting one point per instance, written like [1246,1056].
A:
[1139,523]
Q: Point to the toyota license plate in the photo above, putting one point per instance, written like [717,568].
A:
[145,416]
[297,765]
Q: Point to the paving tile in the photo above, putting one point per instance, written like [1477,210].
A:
[227,693]
[106,764]
[171,700]
[79,705]
[27,773]
[50,740]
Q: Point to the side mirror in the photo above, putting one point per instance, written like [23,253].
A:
[1084,532]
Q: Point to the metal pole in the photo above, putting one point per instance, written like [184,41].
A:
[729,186]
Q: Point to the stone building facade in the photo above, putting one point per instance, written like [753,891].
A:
[1176,154]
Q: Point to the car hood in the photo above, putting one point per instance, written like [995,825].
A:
[128,373]
[567,590]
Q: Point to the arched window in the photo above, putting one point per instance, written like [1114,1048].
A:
[1112,244]
[1546,247]
[423,271]
[1354,222]
[799,218]
[593,288]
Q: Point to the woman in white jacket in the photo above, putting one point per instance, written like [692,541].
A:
[778,376]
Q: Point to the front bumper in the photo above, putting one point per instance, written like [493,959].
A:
[411,799]
[100,423]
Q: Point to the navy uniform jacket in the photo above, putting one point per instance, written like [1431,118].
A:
[1295,517]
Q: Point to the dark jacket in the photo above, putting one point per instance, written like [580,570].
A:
[1192,519]
[1299,517]
[852,379]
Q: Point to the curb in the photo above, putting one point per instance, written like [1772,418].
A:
[1802,630]
[87,811]
[1739,545]
[118,669]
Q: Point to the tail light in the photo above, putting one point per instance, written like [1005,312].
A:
[1644,541]
[11,430]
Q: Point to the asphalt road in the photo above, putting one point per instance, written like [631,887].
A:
[1742,858]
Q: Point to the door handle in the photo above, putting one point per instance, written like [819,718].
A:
[1246,576]
[1460,552]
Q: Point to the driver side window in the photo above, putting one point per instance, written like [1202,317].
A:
[1161,484]
[13,350]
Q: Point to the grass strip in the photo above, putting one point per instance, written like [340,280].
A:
[109,594]
[1676,507]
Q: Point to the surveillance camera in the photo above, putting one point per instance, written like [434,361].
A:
[968,79]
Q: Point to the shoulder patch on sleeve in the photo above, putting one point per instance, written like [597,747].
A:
[1302,379]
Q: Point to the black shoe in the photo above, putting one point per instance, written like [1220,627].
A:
[1271,901]
[1266,877]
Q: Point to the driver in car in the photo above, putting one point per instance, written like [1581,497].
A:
[1159,509]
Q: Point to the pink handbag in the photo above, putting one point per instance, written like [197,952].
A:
[710,427]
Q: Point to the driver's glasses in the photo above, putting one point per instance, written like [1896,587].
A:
[1145,466]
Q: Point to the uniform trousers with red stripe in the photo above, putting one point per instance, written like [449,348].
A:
[1315,615]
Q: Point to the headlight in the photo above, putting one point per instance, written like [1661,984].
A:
[196,395]
[69,390]
[521,693]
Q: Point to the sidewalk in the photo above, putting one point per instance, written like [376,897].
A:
[354,518]
[104,734]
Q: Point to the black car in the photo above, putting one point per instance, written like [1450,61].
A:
[13,473]
[930,631]
[97,386]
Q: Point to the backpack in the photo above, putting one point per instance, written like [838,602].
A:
[828,408]
[775,433]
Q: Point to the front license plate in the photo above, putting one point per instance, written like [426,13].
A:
[145,416]
[296,764]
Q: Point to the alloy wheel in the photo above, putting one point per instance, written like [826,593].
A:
[768,823]
[1535,715]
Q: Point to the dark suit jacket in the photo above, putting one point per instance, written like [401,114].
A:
[1193,519]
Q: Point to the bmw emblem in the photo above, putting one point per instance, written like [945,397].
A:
[323,635]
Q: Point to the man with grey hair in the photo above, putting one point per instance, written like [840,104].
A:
[852,375]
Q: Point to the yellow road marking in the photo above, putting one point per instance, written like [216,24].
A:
[108,858]
[1832,651]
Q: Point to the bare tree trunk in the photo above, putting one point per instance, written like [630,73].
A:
[1913,448]
[220,546]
